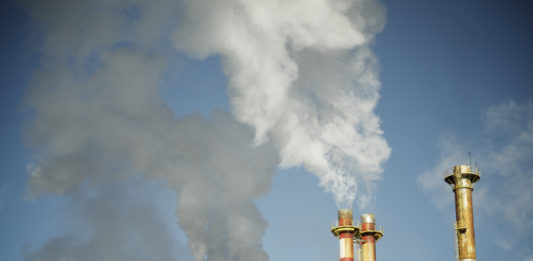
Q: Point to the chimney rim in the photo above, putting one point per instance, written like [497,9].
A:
[368,218]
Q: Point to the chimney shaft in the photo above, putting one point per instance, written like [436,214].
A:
[462,182]
[369,236]
[345,231]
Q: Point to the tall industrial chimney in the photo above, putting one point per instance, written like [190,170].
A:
[462,182]
[369,236]
[345,232]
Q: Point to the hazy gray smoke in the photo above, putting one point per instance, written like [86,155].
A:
[302,74]
[126,221]
[99,118]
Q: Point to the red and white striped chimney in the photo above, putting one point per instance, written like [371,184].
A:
[345,231]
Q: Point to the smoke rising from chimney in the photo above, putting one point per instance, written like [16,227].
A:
[303,75]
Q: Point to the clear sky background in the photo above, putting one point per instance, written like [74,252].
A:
[456,78]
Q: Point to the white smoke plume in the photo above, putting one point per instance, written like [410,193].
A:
[98,118]
[504,154]
[303,75]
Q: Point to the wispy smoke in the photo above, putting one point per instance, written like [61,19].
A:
[504,153]
[302,74]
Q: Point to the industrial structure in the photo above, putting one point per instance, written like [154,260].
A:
[462,182]
[369,236]
[346,232]
[365,236]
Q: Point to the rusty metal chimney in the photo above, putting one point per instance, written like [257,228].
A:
[345,231]
[369,235]
[462,182]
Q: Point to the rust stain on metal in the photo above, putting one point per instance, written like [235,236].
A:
[462,182]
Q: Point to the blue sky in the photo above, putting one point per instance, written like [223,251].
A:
[455,77]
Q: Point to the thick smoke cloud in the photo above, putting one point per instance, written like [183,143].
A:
[504,154]
[303,86]
[302,74]
[99,118]
[126,220]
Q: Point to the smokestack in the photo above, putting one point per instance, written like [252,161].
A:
[369,236]
[462,181]
[345,231]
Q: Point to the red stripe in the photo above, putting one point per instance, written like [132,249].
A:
[346,235]
[345,222]
[346,259]
[369,239]
[368,226]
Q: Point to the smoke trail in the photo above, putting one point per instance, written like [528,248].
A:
[98,118]
[302,74]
